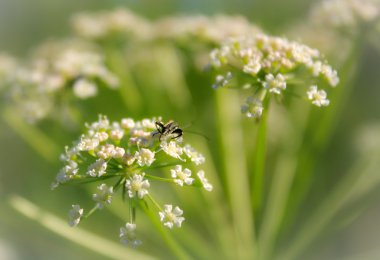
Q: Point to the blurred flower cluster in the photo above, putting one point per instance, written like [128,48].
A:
[268,65]
[122,23]
[58,73]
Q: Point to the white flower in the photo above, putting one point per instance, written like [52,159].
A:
[206,185]
[103,196]
[181,176]
[137,185]
[75,215]
[128,236]
[171,217]
[116,134]
[222,81]
[318,97]
[144,157]
[87,144]
[253,66]
[148,123]
[101,136]
[106,151]
[127,123]
[102,124]
[194,156]
[97,169]
[67,172]
[331,75]
[172,149]
[274,84]
[84,89]
[253,108]
[118,152]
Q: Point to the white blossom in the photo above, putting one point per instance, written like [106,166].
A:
[128,235]
[253,108]
[318,97]
[84,89]
[97,169]
[138,185]
[103,196]
[193,155]
[172,149]
[181,176]
[171,217]
[75,214]
[67,172]
[222,81]
[144,157]
[87,144]
[206,185]
[128,123]
[275,84]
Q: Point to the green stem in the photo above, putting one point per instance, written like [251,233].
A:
[363,177]
[40,142]
[132,210]
[235,170]
[90,212]
[172,76]
[258,161]
[77,235]
[128,89]
[277,199]
[158,207]
[320,128]
[152,177]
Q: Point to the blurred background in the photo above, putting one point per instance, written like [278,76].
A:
[25,24]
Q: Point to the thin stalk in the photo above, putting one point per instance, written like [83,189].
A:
[236,174]
[219,222]
[258,161]
[79,236]
[320,128]
[90,212]
[277,199]
[128,89]
[172,76]
[40,142]
[363,176]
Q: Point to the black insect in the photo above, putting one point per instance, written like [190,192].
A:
[169,130]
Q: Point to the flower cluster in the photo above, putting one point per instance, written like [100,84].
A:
[345,14]
[120,22]
[135,154]
[268,65]
[212,30]
[58,69]
[123,22]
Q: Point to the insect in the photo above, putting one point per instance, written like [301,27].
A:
[168,130]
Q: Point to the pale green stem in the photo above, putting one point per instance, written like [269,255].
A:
[235,170]
[79,236]
[40,142]
[321,126]
[219,223]
[92,211]
[128,90]
[278,195]
[363,178]
[172,76]
[258,161]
